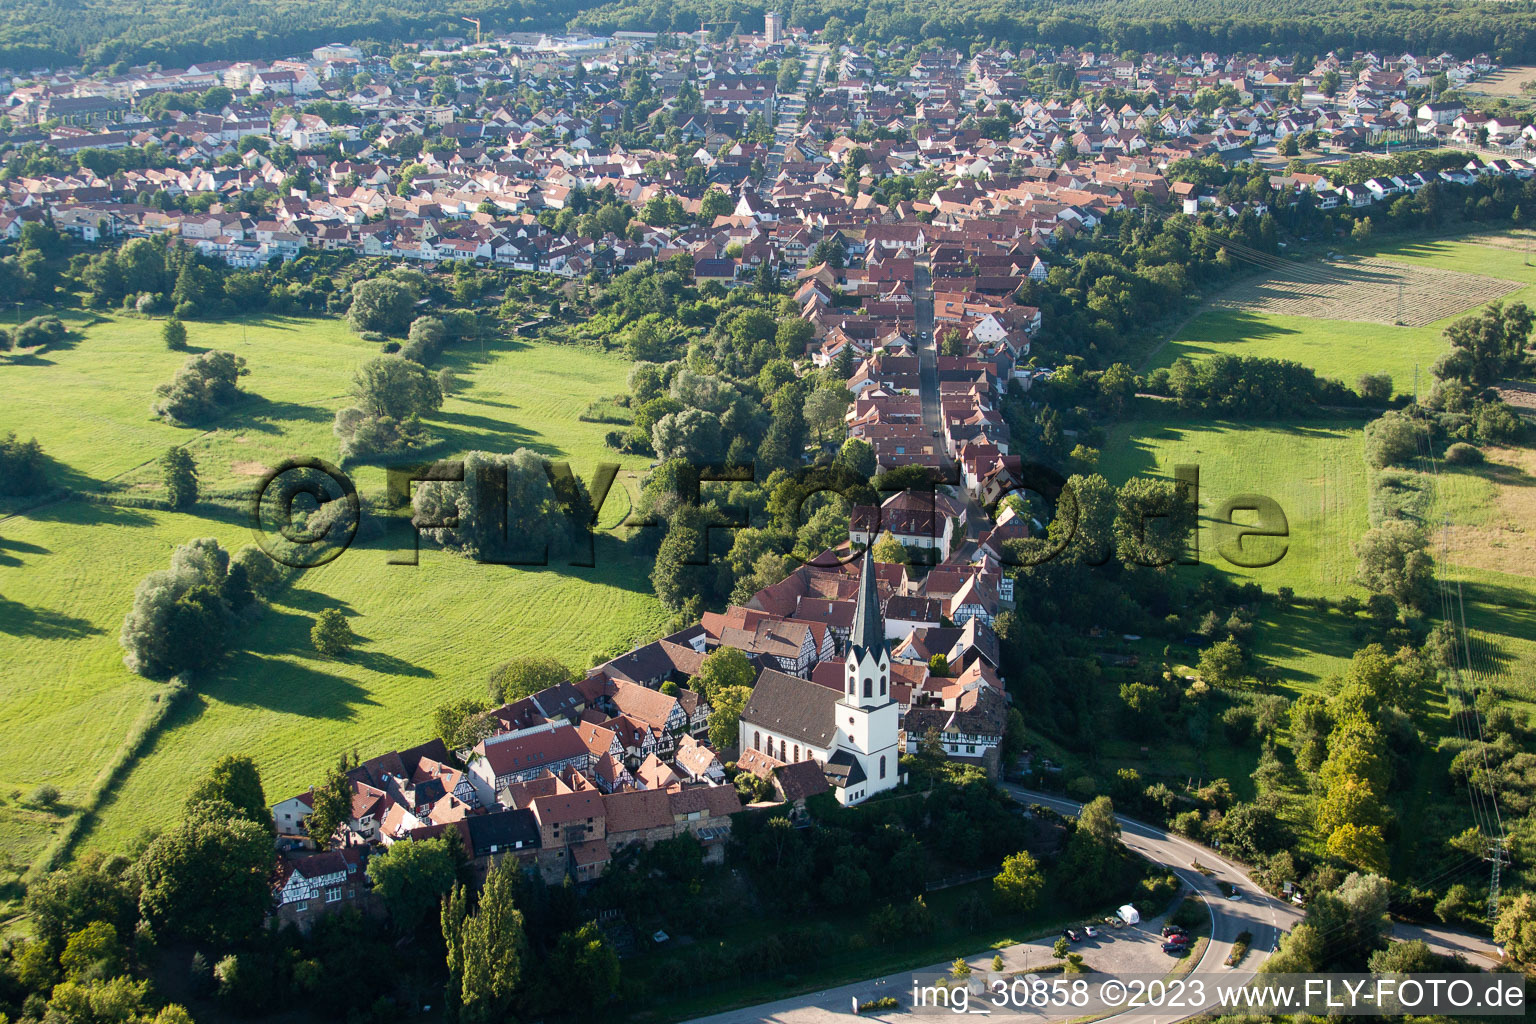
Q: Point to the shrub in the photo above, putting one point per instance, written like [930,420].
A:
[23,468]
[331,635]
[175,335]
[1463,454]
[40,331]
[204,385]
[46,795]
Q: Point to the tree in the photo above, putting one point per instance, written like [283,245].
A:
[331,635]
[1153,521]
[857,455]
[714,203]
[93,949]
[486,949]
[330,805]
[722,667]
[1489,345]
[1097,819]
[726,705]
[692,435]
[203,387]
[396,387]
[462,723]
[181,615]
[180,477]
[888,549]
[824,411]
[792,335]
[588,967]
[1375,388]
[1017,886]
[938,665]
[23,467]
[1221,664]
[175,335]
[233,778]
[1515,929]
[94,888]
[412,878]
[381,304]
[1393,438]
[1362,846]
[523,677]
[680,574]
[206,879]
[1392,559]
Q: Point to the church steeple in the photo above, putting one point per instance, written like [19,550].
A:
[867,668]
[868,624]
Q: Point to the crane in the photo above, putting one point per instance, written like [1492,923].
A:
[475,22]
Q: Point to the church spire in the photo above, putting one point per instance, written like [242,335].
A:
[868,624]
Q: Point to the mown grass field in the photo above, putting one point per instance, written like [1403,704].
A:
[68,570]
[1315,471]
[1341,349]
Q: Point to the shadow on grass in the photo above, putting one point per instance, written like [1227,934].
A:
[89,513]
[1298,632]
[20,619]
[251,680]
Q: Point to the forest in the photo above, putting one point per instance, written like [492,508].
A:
[34,33]
[179,32]
[1311,26]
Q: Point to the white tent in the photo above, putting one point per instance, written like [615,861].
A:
[1129,915]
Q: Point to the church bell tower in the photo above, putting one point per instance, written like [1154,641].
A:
[868,715]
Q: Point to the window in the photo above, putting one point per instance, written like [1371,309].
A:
[299,908]
[882,684]
[333,894]
[757,740]
[797,751]
[869,686]
[882,766]
[783,749]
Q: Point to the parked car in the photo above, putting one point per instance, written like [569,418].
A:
[1181,939]
[1114,922]
[1175,948]
[1071,935]
[1090,931]
[1173,929]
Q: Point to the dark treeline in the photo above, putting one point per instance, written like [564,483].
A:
[178,32]
[1311,26]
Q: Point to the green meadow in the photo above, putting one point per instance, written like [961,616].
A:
[68,569]
[1316,474]
[1341,349]
[1316,471]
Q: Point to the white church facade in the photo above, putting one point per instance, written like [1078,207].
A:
[851,733]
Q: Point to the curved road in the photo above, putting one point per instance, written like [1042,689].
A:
[1256,912]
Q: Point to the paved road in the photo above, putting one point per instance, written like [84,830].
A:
[927,352]
[790,106]
[1479,951]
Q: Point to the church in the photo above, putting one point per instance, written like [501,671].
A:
[851,733]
